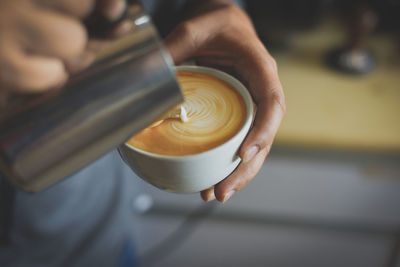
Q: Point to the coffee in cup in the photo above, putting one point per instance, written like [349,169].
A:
[215,112]
[191,156]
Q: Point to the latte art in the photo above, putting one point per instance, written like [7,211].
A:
[215,111]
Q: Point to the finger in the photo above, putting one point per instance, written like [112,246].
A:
[266,89]
[53,35]
[208,194]
[184,41]
[76,64]
[90,54]
[29,73]
[112,9]
[243,174]
[268,117]
[75,8]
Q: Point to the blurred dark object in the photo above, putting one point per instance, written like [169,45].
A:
[387,10]
[354,57]
[277,21]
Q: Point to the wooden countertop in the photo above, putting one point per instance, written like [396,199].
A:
[331,110]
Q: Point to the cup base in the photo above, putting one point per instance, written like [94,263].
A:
[187,187]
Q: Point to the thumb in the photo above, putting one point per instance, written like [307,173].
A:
[183,42]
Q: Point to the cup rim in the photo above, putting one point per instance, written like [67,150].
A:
[235,83]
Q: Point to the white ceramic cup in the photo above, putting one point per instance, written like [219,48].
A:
[192,173]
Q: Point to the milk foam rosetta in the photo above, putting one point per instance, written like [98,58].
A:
[215,111]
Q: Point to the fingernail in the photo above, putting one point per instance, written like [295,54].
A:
[228,196]
[116,10]
[250,153]
[210,196]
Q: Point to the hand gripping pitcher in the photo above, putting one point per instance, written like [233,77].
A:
[46,137]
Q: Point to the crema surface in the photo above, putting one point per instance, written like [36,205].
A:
[216,112]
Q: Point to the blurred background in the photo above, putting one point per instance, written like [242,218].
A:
[329,193]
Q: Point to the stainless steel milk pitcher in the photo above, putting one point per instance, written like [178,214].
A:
[46,137]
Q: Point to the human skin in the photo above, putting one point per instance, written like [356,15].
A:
[43,41]
[219,33]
